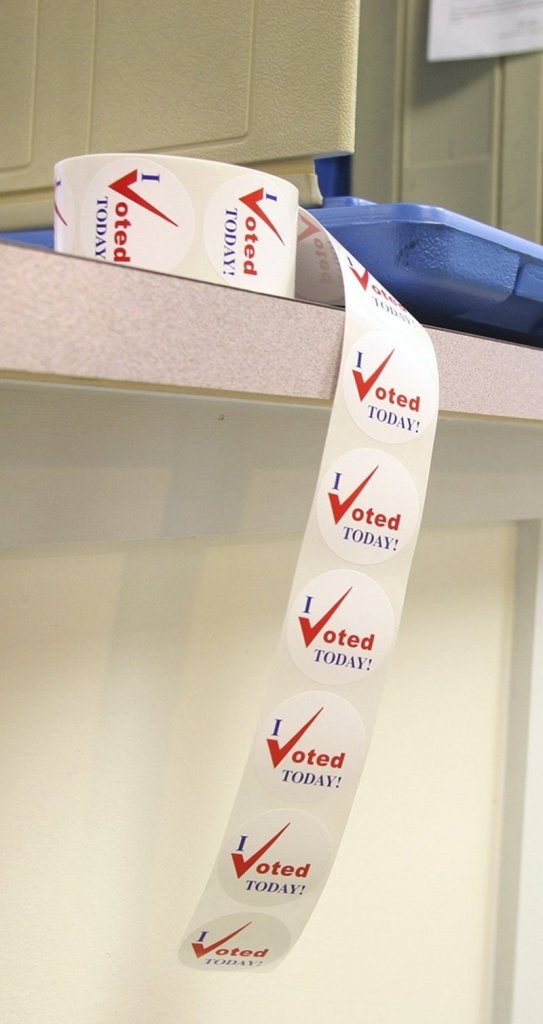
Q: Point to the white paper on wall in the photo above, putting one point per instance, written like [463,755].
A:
[462,29]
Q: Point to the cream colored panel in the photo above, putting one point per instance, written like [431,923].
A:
[151,90]
[426,133]
[18,32]
[451,133]
[522,172]
[376,165]
[248,82]
[464,189]
[466,135]
[60,68]
[132,676]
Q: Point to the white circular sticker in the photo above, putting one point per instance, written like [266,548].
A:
[250,233]
[137,213]
[367,506]
[390,393]
[379,302]
[235,941]
[339,627]
[318,272]
[275,858]
[311,747]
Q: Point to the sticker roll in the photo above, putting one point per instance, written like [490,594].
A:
[342,614]
[231,225]
[192,218]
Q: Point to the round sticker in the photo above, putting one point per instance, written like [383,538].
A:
[318,272]
[250,233]
[339,627]
[390,393]
[274,858]
[386,312]
[137,213]
[367,506]
[247,941]
[377,300]
[311,747]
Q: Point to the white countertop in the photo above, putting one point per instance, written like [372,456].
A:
[64,317]
[138,406]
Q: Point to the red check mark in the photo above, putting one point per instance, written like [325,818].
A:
[339,508]
[241,865]
[309,631]
[361,278]
[124,188]
[201,950]
[253,200]
[309,229]
[363,386]
[277,753]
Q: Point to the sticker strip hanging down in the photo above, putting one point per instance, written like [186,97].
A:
[340,626]
[237,226]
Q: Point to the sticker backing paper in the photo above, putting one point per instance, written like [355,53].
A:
[237,226]
[340,625]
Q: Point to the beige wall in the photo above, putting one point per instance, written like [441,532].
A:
[466,135]
[131,682]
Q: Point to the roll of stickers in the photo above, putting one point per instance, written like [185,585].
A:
[347,595]
[192,218]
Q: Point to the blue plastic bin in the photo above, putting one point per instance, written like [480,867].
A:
[449,271]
